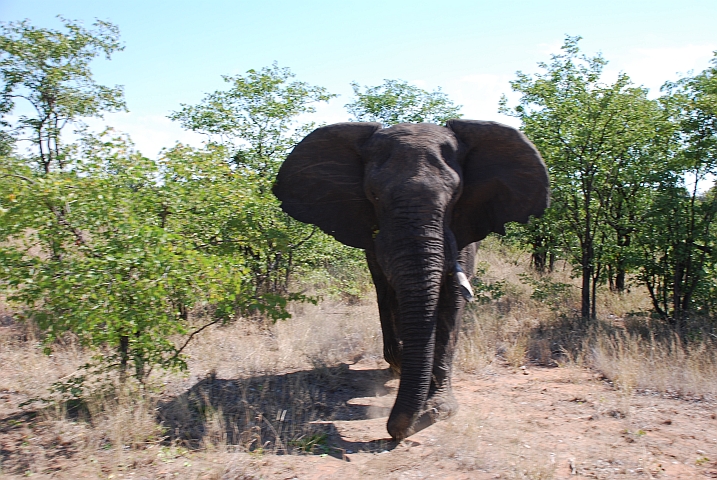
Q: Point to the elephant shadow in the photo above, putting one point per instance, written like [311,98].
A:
[285,413]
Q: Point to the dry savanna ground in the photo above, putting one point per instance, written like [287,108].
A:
[542,396]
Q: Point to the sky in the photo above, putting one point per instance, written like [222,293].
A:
[177,51]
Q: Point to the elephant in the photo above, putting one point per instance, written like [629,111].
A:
[417,197]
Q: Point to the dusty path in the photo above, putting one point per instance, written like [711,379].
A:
[534,423]
[513,423]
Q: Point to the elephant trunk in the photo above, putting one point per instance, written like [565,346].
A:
[416,273]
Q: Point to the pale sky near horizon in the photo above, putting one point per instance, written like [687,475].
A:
[176,51]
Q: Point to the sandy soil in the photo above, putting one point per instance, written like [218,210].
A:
[532,423]
[513,423]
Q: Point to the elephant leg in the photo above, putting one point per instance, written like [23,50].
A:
[441,402]
[387,310]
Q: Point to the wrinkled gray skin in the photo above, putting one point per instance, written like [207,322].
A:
[416,198]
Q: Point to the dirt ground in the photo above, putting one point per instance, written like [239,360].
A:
[529,422]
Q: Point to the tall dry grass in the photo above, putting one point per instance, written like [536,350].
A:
[26,370]
[252,386]
[537,320]
[658,363]
[323,335]
[262,387]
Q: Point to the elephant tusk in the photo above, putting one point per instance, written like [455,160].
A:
[464,284]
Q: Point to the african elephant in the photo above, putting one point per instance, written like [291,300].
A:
[416,198]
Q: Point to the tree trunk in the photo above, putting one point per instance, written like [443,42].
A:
[124,356]
[587,274]
[620,281]
[539,256]
[623,241]
[539,260]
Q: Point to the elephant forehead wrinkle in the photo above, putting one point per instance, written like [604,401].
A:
[415,129]
[428,169]
[416,212]
[414,138]
[417,149]
[343,180]
[411,245]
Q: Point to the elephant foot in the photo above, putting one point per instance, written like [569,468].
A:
[443,405]
[438,407]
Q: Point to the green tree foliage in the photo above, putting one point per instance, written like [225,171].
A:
[396,101]
[256,121]
[116,249]
[678,243]
[256,116]
[600,142]
[85,251]
[49,71]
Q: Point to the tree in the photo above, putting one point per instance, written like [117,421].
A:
[678,244]
[256,116]
[49,70]
[541,235]
[256,120]
[595,138]
[105,244]
[396,101]
[119,249]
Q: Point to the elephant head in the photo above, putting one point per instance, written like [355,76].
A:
[414,196]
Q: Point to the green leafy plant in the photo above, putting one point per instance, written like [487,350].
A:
[116,251]
[484,292]
[546,290]
[604,145]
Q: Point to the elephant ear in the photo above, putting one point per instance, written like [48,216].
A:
[504,180]
[321,182]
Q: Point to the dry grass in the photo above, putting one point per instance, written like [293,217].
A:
[627,347]
[252,387]
[323,335]
[255,387]
[26,369]
[662,364]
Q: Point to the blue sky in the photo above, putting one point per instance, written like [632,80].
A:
[176,51]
